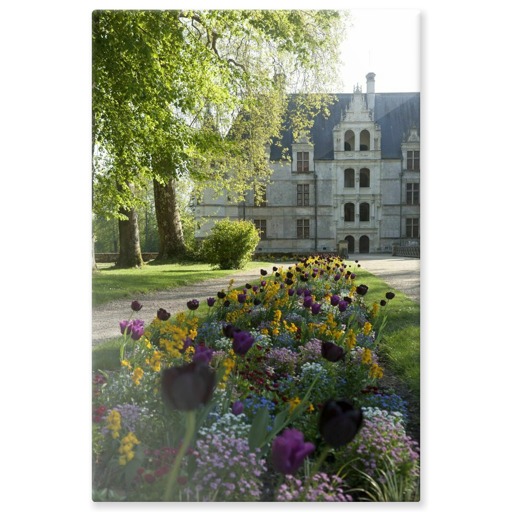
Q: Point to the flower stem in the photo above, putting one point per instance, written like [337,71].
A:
[190,419]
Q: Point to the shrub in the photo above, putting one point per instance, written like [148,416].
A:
[230,244]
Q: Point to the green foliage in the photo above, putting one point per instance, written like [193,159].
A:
[230,244]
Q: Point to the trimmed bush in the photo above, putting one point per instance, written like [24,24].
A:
[230,244]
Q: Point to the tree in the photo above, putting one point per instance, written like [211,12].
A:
[194,94]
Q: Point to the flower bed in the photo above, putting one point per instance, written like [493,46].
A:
[273,395]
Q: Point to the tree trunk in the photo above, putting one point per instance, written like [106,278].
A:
[129,245]
[172,243]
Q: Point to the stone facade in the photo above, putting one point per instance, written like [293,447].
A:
[354,178]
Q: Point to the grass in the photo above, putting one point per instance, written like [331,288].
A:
[110,283]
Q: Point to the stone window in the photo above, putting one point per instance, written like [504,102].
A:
[413,193]
[364,212]
[349,140]
[413,160]
[364,141]
[364,178]
[261,226]
[262,200]
[349,178]
[349,211]
[412,228]
[302,195]
[302,228]
[302,161]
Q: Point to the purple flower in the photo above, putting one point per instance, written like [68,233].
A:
[342,305]
[203,354]
[162,314]
[263,272]
[289,451]
[187,387]
[263,284]
[126,326]
[332,352]
[308,301]
[221,295]
[362,289]
[315,308]
[210,301]
[228,330]
[242,342]
[137,329]
[242,298]
[136,305]
[337,277]
[291,291]
[237,408]
[390,295]
[193,304]
[335,300]
[383,302]
[339,422]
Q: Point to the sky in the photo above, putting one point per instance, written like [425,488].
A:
[385,42]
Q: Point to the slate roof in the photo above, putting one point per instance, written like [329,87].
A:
[395,112]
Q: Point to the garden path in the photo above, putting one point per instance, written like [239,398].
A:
[400,273]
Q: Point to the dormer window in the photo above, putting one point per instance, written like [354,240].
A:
[349,140]
[302,161]
[364,141]
[413,160]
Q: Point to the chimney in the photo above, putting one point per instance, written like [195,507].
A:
[370,90]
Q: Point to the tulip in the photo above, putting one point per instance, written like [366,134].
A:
[242,342]
[221,295]
[342,305]
[187,387]
[335,300]
[383,302]
[315,308]
[263,272]
[289,451]
[210,301]
[136,305]
[332,352]
[237,408]
[242,298]
[162,314]
[339,422]
[193,304]
[137,329]
[389,295]
[125,326]
[202,354]
[362,289]
[308,301]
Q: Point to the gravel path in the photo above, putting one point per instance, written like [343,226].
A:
[400,273]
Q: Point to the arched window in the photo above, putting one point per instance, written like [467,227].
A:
[350,240]
[364,244]
[364,178]
[349,140]
[349,178]
[364,212]
[364,140]
[349,211]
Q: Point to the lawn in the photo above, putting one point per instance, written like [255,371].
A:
[110,283]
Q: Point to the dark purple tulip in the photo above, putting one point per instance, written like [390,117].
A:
[248,286]
[362,289]
[237,408]
[242,298]
[289,451]
[348,299]
[263,284]
[254,289]
[308,301]
[221,295]
[383,302]
[187,387]
[274,269]
[339,422]
[193,304]
[304,278]
[162,314]
[390,295]
[263,272]
[228,330]
[335,300]
[210,301]
[291,291]
[289,282]
[342,305]
[315,308]
[187,343]
[332,352]
[137,329]
[226,304]
[136,305]
[257,302]
[357,261]
[352,276]
[289,275]
[307,292]
[242,342]
[202,354]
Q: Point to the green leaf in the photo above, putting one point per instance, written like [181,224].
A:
[258,432]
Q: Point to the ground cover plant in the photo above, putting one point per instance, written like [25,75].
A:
[275,394]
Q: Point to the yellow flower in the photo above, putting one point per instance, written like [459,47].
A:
[367,328]
[376,371]
[137,375]
[126,448]
[114,423]
[264,331]
[154,361]
[311,408]
[366,357]
[277,315]
[375,309]
[294,402]
[126,363]
[351,339]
